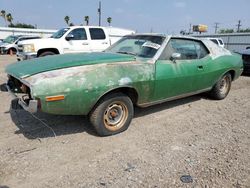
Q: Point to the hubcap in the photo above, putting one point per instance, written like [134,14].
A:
[115,116]
[224,85]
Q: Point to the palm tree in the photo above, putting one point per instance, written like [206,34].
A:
[109,20]
[9,18]
[3,14]
[86,19]
[66,19]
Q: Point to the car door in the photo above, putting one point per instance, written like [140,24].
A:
[183,68]
[76,41]
[99,39]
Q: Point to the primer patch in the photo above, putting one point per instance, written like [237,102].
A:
[124,81]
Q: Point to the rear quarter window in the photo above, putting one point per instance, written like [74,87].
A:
[97,34]
[215,41]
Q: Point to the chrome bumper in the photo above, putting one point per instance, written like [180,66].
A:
[24,56]
[31,107]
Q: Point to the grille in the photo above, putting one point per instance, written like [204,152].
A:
[20,48]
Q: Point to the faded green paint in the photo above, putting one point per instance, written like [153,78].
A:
[35,66]
[86,84]
[189,76]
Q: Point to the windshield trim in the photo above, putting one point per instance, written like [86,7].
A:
[58,35]
[141,37]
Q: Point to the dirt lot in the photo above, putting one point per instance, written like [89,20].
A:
[205,139]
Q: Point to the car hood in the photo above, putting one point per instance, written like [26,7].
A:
[31,67]
[38,41]
[4,44]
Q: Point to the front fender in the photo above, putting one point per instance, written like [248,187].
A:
[83,86]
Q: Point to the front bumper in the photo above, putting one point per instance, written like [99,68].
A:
[24,56]
[3,50]
[31,106]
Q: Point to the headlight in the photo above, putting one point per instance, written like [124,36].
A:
[28,48]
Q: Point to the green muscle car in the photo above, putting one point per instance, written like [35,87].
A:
[140,69]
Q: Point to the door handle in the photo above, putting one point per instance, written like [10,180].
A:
[104,43]
[200,67]
[85,43]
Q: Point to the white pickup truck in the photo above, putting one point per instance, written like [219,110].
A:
[71,40]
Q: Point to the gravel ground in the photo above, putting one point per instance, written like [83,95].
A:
[192,142]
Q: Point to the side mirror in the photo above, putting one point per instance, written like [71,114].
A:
[69,37]
[175,56]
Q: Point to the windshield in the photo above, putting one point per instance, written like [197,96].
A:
[10,39]
[59,33]
[139,45]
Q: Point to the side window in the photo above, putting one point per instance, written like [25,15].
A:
[188,49]
[215,41]
[79,34]
[97,34]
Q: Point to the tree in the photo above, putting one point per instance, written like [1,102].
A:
[22,25]
[3,14]
[66,19]
[86,19]
[9,18]
[226,31]
[247,30]
[109,20]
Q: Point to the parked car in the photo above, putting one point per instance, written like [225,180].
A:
[72,40]
[246,61]
[9,44]
[140,69]
[218,41]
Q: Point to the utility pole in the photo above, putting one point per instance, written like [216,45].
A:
[190,29]
[238,26]
[216,27]
[100,12]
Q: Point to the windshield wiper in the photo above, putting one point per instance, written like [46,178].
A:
[129,53]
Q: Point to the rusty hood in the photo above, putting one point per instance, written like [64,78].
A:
[34,66]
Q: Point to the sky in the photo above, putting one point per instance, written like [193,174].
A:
[161,16]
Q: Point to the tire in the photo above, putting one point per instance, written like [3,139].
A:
[222,87]
[112,114]
[46,53]
[11,51]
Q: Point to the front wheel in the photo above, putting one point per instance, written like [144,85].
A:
[112,114]
[46,53]
[222,87]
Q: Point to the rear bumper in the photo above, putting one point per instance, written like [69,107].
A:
[24,56]
[32,105]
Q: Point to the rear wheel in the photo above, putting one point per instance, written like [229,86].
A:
[222,87]
[112,114]
[46,54]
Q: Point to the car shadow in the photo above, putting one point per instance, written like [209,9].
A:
[3,88]
[167,105]
[245,74]
[43,125]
